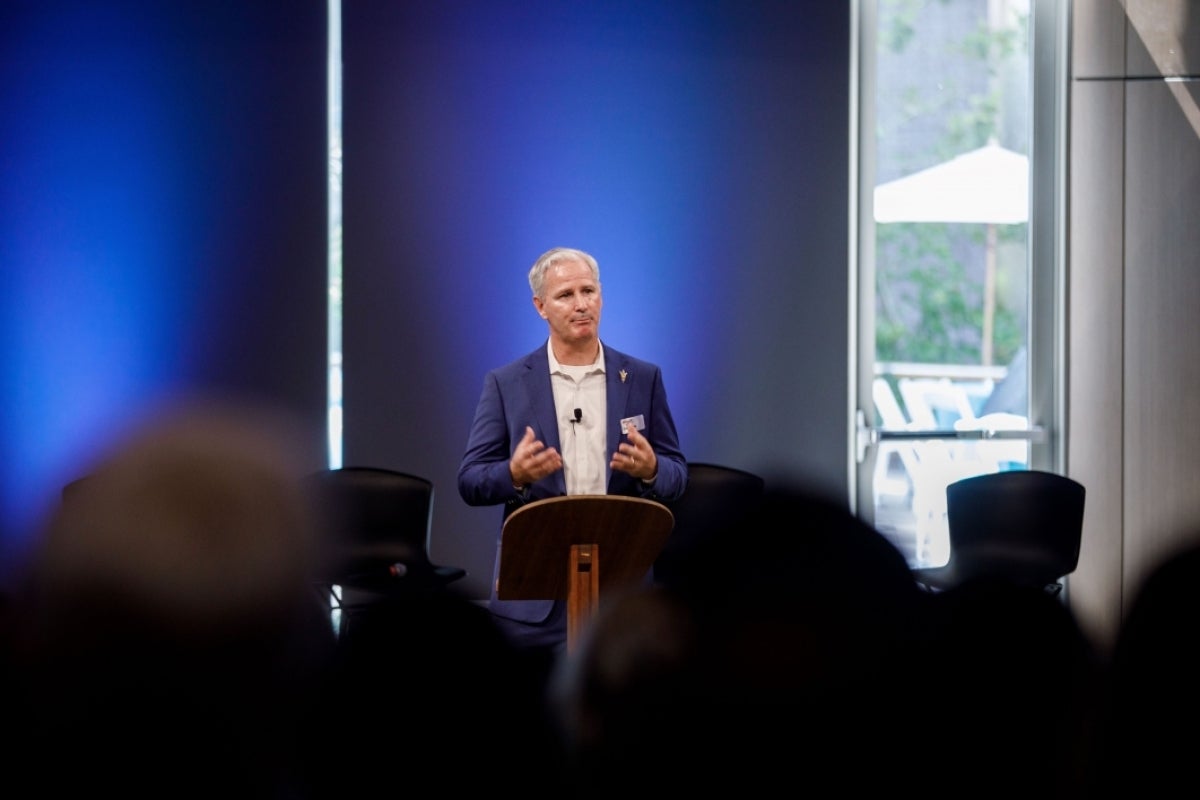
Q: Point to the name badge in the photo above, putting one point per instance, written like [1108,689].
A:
[637,422]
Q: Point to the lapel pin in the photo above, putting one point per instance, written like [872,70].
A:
[624,375]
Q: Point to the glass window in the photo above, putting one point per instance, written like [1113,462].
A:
[946,137]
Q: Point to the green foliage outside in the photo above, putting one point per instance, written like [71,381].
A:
[929,303]
[928,309]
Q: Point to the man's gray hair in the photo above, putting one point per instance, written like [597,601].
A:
[557,255]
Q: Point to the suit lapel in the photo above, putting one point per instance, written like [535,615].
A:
[617,394]
[541,400]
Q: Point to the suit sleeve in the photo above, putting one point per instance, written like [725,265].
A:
[483,475]
[672,466]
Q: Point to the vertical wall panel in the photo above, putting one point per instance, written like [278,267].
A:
[1162,289]
[1134,276]
[1097,40]
[1163,38]
[1095,343]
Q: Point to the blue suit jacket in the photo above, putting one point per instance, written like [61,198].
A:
[520,394]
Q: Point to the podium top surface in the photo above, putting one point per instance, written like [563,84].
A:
[536,540]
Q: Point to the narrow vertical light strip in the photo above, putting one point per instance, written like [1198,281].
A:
[333,348]
[856,447]
[334,311]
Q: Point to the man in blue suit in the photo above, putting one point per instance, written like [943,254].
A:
[572,417]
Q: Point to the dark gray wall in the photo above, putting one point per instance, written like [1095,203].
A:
[1134,288]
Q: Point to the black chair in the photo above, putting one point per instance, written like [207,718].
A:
[376,525]
[1021,526]
[717,498]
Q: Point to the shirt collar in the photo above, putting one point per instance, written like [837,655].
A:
[597,365]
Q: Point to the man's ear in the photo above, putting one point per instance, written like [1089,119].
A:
[537,303]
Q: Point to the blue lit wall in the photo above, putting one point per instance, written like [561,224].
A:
[699,150]
[162,222]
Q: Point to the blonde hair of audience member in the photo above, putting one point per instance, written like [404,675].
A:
[173,587]
[197,520]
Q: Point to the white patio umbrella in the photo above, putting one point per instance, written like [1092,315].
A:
[989,185]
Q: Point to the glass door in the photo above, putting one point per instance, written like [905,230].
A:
[952,328]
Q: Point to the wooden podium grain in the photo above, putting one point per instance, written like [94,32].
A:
[551,549]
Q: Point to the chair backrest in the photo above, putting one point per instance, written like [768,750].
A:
[377,523]
[935,402]
[716,498]
[1023,525]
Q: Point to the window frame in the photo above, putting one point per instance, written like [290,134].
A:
[1047,257]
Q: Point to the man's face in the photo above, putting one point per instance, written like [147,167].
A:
[571,303]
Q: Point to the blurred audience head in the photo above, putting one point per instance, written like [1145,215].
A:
[425,687]
[170,598]
[1153,681]
[627,699]
[1016,690]
[793,651]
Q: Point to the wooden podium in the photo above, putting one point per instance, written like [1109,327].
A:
[550,550]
